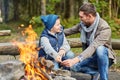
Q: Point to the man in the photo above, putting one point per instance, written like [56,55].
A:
[53,41]
[97,53]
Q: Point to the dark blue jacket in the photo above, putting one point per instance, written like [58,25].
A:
[55,41]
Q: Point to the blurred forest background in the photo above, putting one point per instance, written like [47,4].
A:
[21,13]
[16,12]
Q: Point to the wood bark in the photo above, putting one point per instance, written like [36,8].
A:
[1,19]
[75,42]
[5,32]
[67,9]
[6,9]
[16,10]
[71,3]
[10,49]
[43,7]
[110,15]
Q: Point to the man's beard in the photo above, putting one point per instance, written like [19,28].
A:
[87,24]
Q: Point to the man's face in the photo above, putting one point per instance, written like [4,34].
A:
[57,26]
[84,18]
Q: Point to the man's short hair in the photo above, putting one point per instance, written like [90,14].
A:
[88,8]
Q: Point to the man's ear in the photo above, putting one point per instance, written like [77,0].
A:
[90,15]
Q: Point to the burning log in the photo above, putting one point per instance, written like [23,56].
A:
[43,73]
[52,74]
[48,67]
[5,32]
[47,63]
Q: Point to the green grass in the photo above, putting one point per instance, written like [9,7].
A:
[77,51]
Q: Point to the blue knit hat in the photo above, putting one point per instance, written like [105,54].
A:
[49,20]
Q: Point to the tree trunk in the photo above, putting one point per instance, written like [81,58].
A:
[16,9]
[114,9]
[30,8]
[110,1]
[71,8]
[67,9]
[0,4]
[43,7]
[6,9]
[1,20]
[117,8]
[37,9]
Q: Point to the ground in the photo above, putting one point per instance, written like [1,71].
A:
[113,75]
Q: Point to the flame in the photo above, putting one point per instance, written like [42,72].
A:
[29,55]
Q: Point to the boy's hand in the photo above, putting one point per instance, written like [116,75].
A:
[59,58]
[61,52]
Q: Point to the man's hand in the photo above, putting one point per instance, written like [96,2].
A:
[70,62]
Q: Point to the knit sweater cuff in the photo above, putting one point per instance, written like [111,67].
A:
[54,55]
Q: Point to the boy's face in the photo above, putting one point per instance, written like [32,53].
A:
[57,27]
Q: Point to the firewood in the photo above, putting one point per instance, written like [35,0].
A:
[39,67]
[10,49]
[47,63]
[5,32]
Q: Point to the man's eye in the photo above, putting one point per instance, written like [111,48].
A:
[81,17]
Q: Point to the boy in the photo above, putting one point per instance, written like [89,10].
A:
[53,41]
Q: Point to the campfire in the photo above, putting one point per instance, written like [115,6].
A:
[29,55]
[36,68]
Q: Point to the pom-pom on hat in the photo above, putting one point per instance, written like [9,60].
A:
[49,20]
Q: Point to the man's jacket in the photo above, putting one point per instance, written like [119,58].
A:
[102,37]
